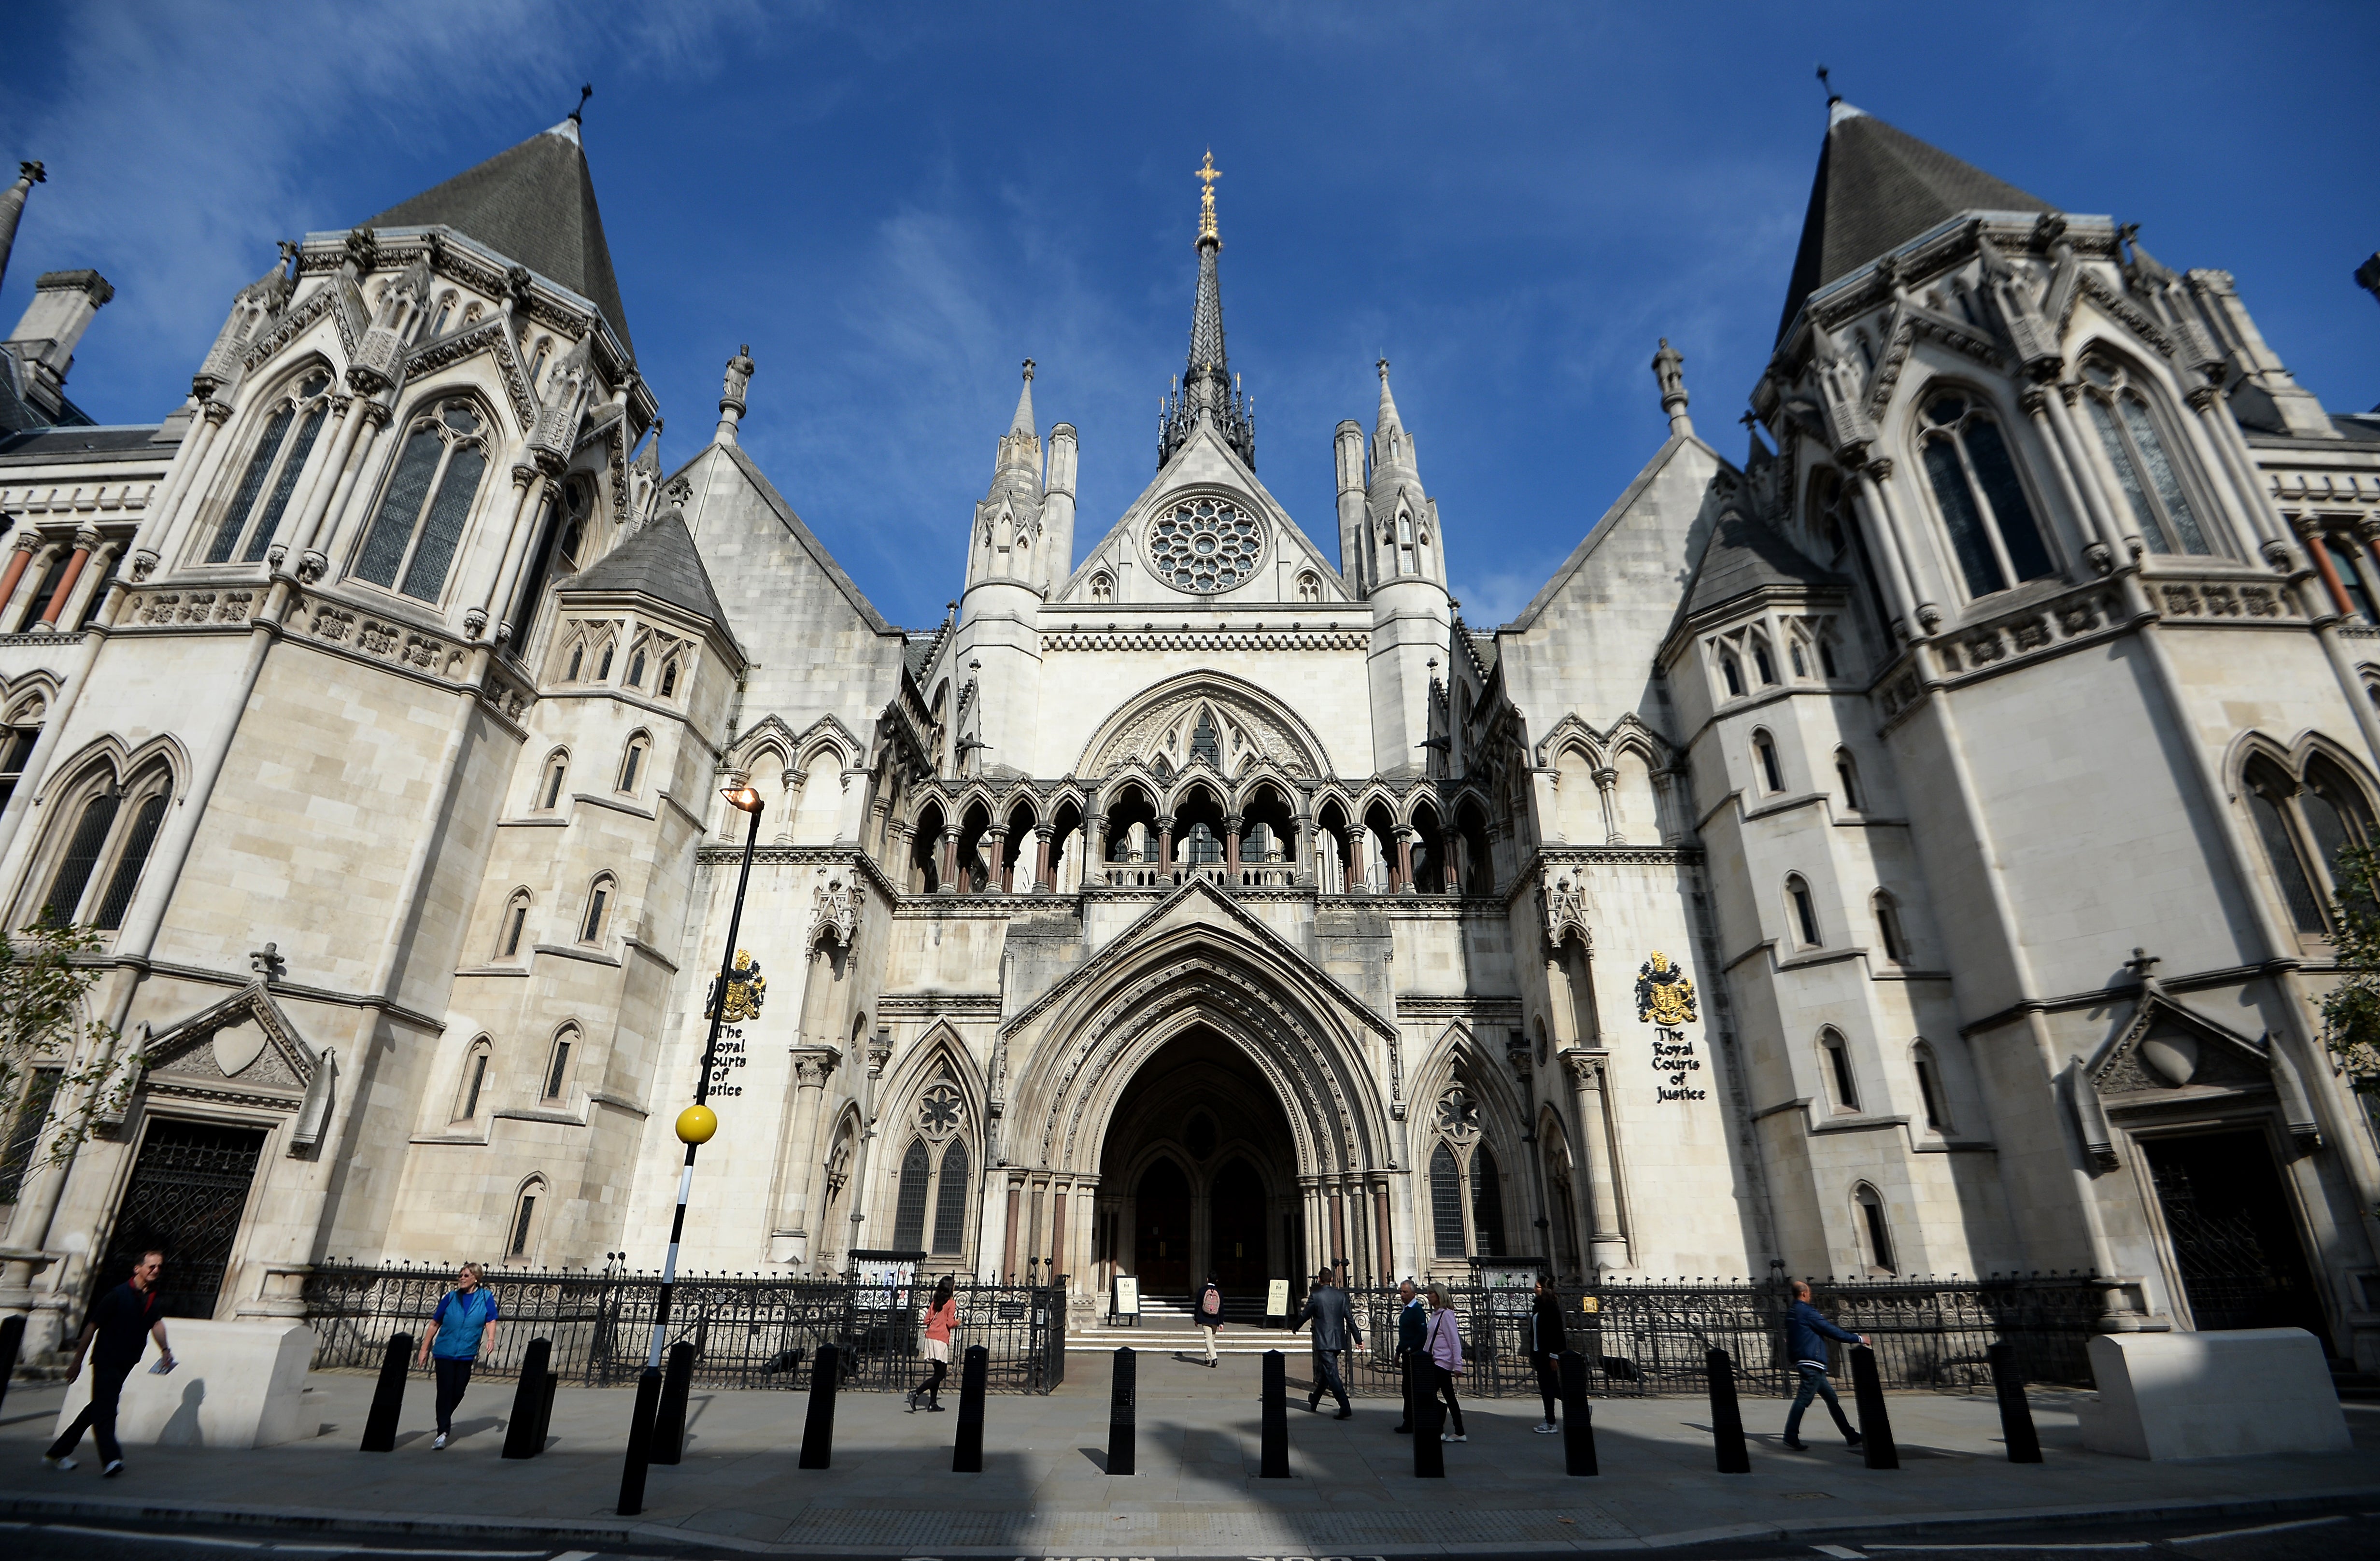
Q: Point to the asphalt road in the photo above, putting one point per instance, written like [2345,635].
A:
[2341,1534]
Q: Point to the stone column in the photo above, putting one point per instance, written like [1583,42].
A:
[1008,1257]
[84,541]
[176,518]
[1607,783]
[994,851]
[339,526]
[2309,528]
[812,1067]
[1384,1229]
[1305,874]
[1607,1241]
[950,859]
[792,781]
[1356,884]
[1338,1230]
[1165,845]
[18,557]
[1232,823]
[1095,850]
[1058,1231]
[1404,874]
[1458,853]
[1045,866]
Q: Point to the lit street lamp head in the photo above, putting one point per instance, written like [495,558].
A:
[745,797]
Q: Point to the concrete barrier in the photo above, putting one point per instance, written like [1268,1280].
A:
[238,1384]
[2173,1396]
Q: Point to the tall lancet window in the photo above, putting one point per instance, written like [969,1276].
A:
[273,469]
[2136,450]
[412,544]
[1993,532]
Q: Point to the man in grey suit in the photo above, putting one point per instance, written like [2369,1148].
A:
[1333,1317]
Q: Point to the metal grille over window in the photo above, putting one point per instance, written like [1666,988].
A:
[1206,545]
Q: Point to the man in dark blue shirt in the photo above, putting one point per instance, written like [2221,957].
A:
[118,1330]
[1412,1331]
[1805,1327]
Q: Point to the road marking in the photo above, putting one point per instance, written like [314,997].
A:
[2265,1529]
[589,1556]
[2028,1549]
[133,1535]
[286,1549]
[1839,1552]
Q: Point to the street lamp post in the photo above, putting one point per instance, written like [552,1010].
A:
[695,1126]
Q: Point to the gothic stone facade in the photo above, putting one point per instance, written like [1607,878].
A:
[1906,851]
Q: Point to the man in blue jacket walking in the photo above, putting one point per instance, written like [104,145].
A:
[1806,1328]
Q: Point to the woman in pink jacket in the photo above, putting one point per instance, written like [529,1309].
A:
[1444,1341]
[941,1316]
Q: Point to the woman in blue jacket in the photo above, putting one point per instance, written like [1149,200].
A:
[1805,1329]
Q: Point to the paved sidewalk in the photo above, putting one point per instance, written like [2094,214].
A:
[1044,1491]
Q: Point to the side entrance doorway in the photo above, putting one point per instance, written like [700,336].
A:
[2234,1233]
[188,1192]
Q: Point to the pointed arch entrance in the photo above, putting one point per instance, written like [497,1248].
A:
[1197,1175]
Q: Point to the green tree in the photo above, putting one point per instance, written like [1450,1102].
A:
[2350,1013]
[58,1066]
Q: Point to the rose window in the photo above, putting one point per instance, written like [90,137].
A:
[1205,545]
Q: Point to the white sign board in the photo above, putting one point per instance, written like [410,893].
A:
[1277,1298]
[1127,1296]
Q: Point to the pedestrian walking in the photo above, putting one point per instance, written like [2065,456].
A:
[1209,1310]
[1547,1341]
[1806,1326]
[1445,1350]
[114,1337]
[1334,1316]
[1413,1348]
[941,1316]
[465,1320]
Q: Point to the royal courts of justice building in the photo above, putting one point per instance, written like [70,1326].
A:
[1905,847]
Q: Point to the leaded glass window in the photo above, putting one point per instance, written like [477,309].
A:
[420,525]
[1486,1204]
[1446,1203]
[909,1214]
[2136,450]
[1205,545]
[949,1202]
[1993,533]
[279,460]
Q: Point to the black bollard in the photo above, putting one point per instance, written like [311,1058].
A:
[967,1456]
[545,1406]
[12,1340]
[1876,1426]
[1273,1461]
[522,1438]
[817,1430]
[669,1420]
[2016,1411]
[1120,1413]
[640,1442]
[1428,1424]
[1727,1416]
[388,1396]
[1578,1423]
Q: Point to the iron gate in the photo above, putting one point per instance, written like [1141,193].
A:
[188,1192]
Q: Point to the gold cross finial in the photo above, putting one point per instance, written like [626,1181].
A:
[1208,173]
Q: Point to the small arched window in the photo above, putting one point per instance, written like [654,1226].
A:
[524,1217]
[1836,1053]
[1990,521]
[1847,772]
[474,1085]
[536,364]
[1445,1202]
[2135,448]
[1102,588]
[412,541]
[632,763]
[557,1065]
[549,794]
[17,740]
[599,899]
[909,1212]
[1805,910]
[1763,662]
[1309,587]
[669,679]
[1764,752]
[445,312]
[1826,657]
[577,660]
[1801,662]
[258,505]
[1731,673]
[637,668]
[1876,1232]
[1929,1087]
[515,923]
[1888,927]
[603,663]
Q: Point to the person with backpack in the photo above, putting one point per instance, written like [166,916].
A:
[1209,1310]
[1445,1347]
[941,1316]
[1546,1343]
[121,1324]
[463,1323]
[1806,1329]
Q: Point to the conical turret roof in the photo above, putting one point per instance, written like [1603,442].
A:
[1878,188]
[534,204]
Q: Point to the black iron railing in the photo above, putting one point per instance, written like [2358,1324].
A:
[748,1331]
[1649,1338]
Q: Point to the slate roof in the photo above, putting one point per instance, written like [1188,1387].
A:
[534,204]
[660,561]
[45,440]
[1745,555]
[1878,188]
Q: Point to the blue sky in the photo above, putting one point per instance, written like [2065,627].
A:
[895,206]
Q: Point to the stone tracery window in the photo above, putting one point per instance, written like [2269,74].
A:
[1993,533]
[258,505]
[99,868]
[413,539]
[515,923]
[1102,588]
[17,740]
[2303,827]
[2128,432]
[1205,544]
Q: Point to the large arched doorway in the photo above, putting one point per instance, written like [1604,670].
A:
[1199,1176]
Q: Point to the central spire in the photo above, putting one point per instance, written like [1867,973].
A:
[1207,393]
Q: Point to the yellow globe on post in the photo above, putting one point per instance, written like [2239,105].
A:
[696,1124]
